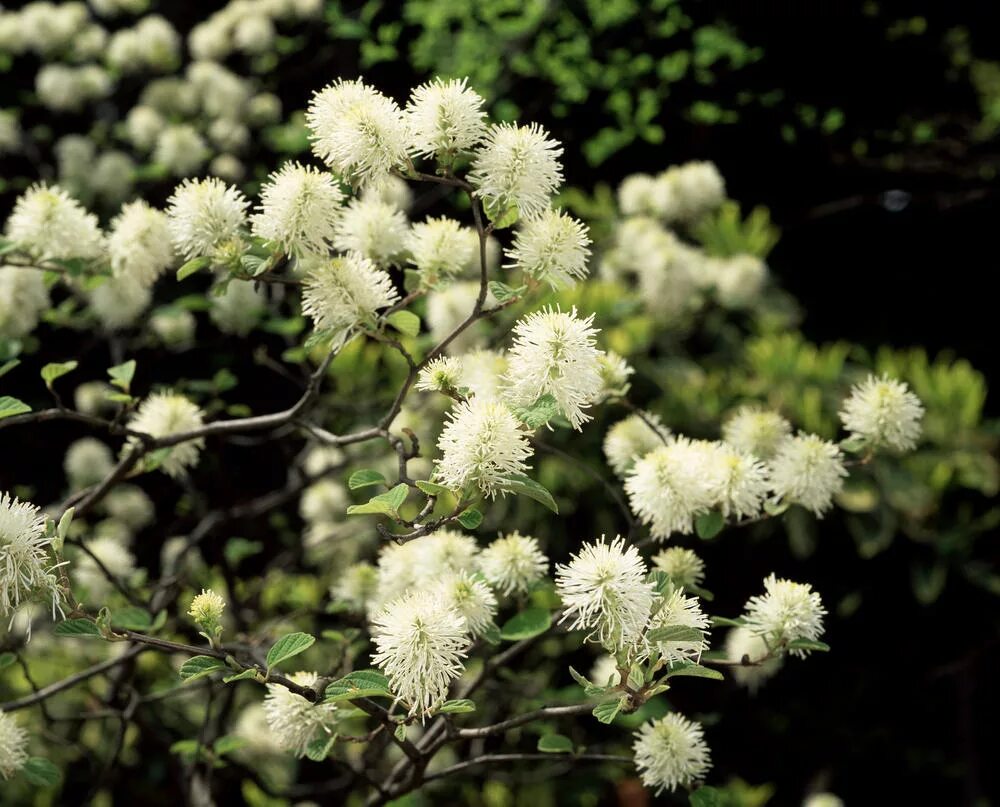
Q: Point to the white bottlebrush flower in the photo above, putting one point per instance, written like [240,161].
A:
[615,372]
[139,243]
[808,470]
[678,610]
[632,438]
[605,671]
[742,643]
[299,206]
[49,224]
[356,130]
[143,126]
[420,641]
[119,301]
[25,563]
[756,431]
[440,249]
[883,412]
[672,484]
[698,186]
[391,190]
[164,414]
[13,745]
[785,612]
[402,567]
[343,292]
[516,168]
[671,753]
[324,501]
[513,563]
[376,229]
[180,149]
[604,591]
[481,444]
[472,598]
[440,375]
[321,458]
[645,195]
[254,34]
[174,327]
[743,482]
[553,248]
[294,720]
[23,299]
[227,167]
[239,308]
[114,557]
[131,506]
[206,610]
[356,586]
[204,214]
[554,353]
[87,462]
[682,566]
[445,117]
[739,280]
[483,371]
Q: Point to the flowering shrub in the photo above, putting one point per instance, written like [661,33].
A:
[446,362]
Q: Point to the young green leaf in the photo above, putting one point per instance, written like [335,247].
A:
[199,666]
[528,623]
[54,370]
[7,366]
[539,413]
[359,684]
[526,486]
[457,707]
[808,644]
[710,524]
[122,374]
[246,675]
[40,772]
[471,518]
[364,478]
[606,712]
[386,504]
[12,406]
[406,322]
[694,671]
[77,627]
[675,633]
[287,646]
[555,744]
[193,265]
[503,293]
[132,618]
[432,488]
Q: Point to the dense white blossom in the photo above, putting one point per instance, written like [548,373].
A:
[23,299]
[615,373]
[206,609]
[164,414]
[743,482]
[391,190]
[742,643]
[140,243]
[739,280]
[441,374]
[356,585]
[420,640]
[671,753]
[239,308]
[808,470]
[471,597]
[679,610]
[785,612]
[553,248]
[204,214]
[440,248]
[756,431]
[631,438]
[697,187]
[682,566]
[645,195]
[483,371]
[180,149]
[604,591]
[554,353]
[65,88]
[299,206]
[131,506]
[671,485]
[883,412]
[445,117]
[87,462]
[516,168]
[49,224]
[356,130]
[373,228]
[405,566]
[294,720]
[25,562]
[513,563]
[119,301]
[343,292]
[143,125]
[481,443]
[325,500]
[13,746]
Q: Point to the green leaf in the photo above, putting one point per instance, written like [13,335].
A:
[606,712]
[319,749]
[65,520]
[246,675]
[710,797]
[122,374]
[526,486]
[54,370]
[501,217]
[808,644]
[193,265]
[675,633]
[200,666]
[456,707]
[12,406]
[364,478]
[238,549]
[400,732]
[359,684]
[471,518]
[504,293]
[40,772]
[132,618]
[287,646]
[432,488]
[555,744]
[773,508]
[492,634]
[7,366]
[854,445]
[530,622]
[694,671]
[228,744]
[726,622]
[710,524]
[6,659]
[386,504]
[77,627]
[406,322]
[539,413]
